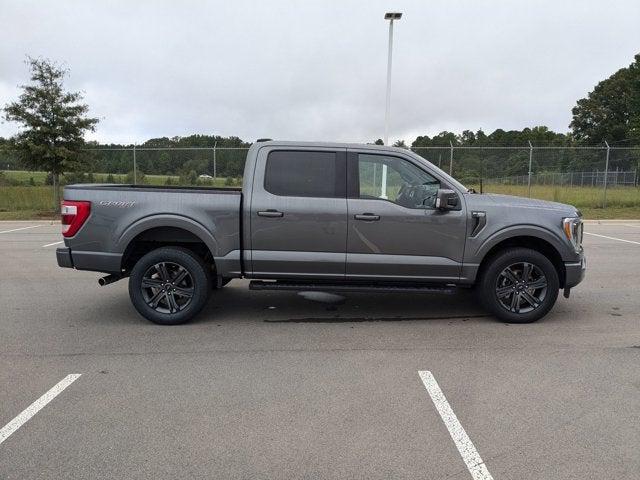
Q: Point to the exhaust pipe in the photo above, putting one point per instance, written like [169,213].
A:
[114,277]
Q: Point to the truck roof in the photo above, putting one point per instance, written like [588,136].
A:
[288,143]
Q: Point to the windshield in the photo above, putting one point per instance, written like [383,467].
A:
[450,180]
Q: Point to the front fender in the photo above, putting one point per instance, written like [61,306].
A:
[479,251]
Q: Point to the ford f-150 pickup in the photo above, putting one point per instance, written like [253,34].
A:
[324,217]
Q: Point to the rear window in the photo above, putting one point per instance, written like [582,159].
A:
[304,174]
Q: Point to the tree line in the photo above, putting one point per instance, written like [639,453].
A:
[54,122]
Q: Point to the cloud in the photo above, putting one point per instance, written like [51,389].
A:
[317,70]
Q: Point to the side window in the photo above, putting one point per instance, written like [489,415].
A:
[304,174]
[396,180]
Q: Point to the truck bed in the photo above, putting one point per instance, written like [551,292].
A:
[121,186]
[120,213]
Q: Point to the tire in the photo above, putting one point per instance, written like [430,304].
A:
[519,285]
[169,285]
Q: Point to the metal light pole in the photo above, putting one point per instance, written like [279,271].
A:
[391,16]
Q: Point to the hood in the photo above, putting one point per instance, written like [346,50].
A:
[522,202]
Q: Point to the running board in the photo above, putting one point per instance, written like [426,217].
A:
[354,287]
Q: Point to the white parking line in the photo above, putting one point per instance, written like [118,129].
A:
[470,455]
[36,406]
[21,228]
[612,238]
[613,225]
[52,244]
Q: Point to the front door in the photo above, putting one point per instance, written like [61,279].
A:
[299,213]
[395,232]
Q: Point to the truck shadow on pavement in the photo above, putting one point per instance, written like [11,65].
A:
[236,302]
[373,319]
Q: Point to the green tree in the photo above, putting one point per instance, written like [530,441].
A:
[53,121]
[611,112]
[163,164]
[188,177]
[137,179]
[75,177]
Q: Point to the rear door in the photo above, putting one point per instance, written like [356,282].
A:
[395,232]
[299,213]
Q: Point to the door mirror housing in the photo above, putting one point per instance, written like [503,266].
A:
[447,200]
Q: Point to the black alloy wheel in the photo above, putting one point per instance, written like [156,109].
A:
[170,285]
[521,287]
[167,287]
[518,285]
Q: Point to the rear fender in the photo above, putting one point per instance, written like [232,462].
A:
[175,221]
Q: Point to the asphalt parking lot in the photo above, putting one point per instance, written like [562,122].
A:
[273,385]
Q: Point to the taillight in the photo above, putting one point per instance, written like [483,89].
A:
[74,214]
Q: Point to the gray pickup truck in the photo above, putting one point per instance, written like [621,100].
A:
[324,217]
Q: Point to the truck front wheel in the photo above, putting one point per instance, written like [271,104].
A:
[519,285]
[169,285]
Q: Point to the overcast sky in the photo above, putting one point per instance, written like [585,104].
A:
[305,70]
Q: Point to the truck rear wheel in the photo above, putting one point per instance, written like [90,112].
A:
[519,285]
[169,285]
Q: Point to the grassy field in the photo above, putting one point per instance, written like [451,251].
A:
[20,202]
[622,202]
[26,202]
[40,177]
[581,197]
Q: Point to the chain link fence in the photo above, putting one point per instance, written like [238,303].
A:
[589,176]
[616,178]
[567,174]
[184,165]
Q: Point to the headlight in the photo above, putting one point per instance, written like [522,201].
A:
[573,230]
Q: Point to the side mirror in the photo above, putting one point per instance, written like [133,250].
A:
[447,200]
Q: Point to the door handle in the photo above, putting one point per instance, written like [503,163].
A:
[270,213]
[367,217]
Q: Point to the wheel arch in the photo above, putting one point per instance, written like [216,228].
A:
[167,230]
[542,245]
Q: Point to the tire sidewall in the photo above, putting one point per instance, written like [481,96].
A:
[187,259]
[502,261]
